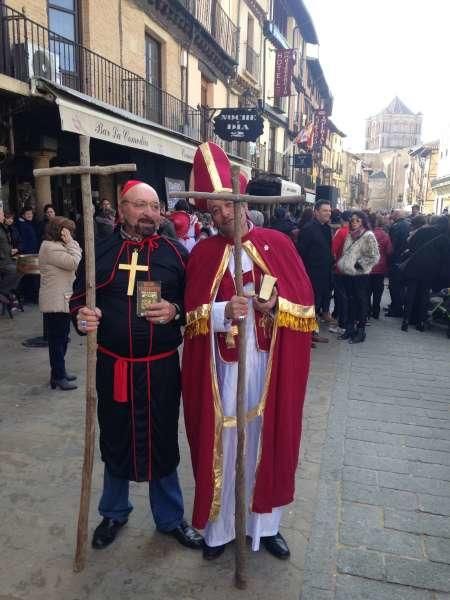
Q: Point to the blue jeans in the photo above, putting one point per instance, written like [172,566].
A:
[166,500]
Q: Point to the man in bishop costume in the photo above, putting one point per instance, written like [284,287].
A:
[278,342]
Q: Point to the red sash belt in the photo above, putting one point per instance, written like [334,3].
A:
[120,393]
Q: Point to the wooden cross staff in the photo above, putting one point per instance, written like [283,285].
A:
[240,503]
[85,170]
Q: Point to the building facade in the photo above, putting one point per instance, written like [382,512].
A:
[393,128]
[355,181]
[394,165]
[144,80]
[441,184]
[421,170]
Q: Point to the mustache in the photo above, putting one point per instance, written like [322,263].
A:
[146,221]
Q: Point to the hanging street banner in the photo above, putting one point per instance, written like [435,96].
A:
[284,68]
[302,161]
[239,124]
[320,129]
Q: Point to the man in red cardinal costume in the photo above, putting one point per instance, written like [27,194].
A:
[278,338]
[138,374]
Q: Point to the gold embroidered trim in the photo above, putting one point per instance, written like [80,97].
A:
[297,310]
[285,319]
[197,321]
[212,169]
[255,256]
[218,412]
[218,447]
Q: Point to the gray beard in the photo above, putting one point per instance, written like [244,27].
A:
[140,230]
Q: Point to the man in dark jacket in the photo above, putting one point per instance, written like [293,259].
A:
[314,246]
[398,232]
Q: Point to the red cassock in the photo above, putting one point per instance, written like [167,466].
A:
[282,400]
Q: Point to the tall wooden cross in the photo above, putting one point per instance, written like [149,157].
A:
[85,170]
[239,200]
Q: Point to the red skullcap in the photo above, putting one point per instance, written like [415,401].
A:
[128,185]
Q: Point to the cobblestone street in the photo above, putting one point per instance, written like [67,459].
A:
[371,516]
[382,522]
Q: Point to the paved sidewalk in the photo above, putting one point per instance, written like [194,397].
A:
[381,530]
[41,437]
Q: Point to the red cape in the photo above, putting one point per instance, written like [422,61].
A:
[282,402]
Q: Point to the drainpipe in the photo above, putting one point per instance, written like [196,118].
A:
[120,33]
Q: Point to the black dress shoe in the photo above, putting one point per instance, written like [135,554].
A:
[276,545]
[187,536]
[106,533]
[212,552]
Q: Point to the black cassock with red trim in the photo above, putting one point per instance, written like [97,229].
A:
[138,375]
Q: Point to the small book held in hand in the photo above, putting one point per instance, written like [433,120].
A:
[267,285]
[148,293]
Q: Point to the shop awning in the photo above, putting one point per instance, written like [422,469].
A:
[84,120]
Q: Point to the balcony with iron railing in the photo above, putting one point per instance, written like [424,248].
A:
[27,49]
[252,62]
[217,23]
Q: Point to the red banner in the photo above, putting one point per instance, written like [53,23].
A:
[284,66]
[320,129]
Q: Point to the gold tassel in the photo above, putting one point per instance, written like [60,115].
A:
[198,327]
[286,319]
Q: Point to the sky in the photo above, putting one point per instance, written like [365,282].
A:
[374,50]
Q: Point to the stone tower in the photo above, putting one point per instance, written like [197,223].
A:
[393,128]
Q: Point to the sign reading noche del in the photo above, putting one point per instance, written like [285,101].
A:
[83,120]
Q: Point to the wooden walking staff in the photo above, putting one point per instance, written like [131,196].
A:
[240,486]
[85,170]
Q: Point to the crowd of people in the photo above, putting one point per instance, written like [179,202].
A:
[321,264]
[349,255]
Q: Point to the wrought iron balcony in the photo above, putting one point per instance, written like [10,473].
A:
[252,62]
[215,20]
[28,50]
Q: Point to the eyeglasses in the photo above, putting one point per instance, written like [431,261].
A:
[142,205]
[355,220]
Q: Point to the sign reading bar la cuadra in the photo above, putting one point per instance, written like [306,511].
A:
[240,124]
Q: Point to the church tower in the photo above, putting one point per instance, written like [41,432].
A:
[393,128]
